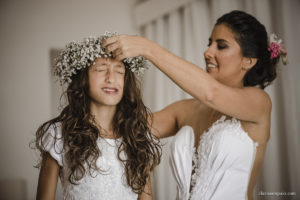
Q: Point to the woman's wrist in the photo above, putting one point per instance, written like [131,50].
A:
[150,50]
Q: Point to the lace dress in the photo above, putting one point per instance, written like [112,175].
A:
[109,184]
[219,168]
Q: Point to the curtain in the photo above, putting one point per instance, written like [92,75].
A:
[184,30]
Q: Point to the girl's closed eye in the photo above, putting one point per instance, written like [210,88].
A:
[121,71]
[101,68]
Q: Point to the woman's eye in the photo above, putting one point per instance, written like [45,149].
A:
[222,46]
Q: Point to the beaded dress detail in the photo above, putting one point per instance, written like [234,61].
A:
[219,168]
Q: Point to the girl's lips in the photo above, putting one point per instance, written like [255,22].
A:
[110,90]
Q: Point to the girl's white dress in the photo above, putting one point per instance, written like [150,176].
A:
[110,184]
[220,168]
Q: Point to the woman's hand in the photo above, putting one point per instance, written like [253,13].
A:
[126,46]
[147,193]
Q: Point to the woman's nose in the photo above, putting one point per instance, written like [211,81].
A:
[208,53]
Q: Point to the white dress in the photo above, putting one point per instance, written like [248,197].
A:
[107,185]
[220,168]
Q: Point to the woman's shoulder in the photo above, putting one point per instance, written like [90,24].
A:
[259,94]
[187,103]
[193,106]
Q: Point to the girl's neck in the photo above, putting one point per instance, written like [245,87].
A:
[103,117]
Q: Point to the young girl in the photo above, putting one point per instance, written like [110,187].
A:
[100,145]
[222,133]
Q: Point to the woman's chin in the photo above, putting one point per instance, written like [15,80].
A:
[211,71]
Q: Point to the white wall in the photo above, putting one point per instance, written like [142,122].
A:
[28,29]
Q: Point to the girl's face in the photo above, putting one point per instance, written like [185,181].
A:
[224,60]
[106,81]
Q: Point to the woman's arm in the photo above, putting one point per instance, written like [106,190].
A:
[249,104]
[48,178]
[147,193]
[166,122]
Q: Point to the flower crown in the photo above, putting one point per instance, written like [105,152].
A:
[79,55]
[276,47]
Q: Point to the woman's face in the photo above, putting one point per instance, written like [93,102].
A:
[106,81]
[224,60]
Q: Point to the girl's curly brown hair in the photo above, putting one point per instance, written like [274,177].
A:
[80,134]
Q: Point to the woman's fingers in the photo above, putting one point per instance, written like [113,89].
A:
[111,48]
[118,54]
[113,45]
[109,41]
[120,57]
[122,46]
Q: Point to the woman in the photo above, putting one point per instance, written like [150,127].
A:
[222,133]
[99,145]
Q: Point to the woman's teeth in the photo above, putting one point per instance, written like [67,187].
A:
[211,66]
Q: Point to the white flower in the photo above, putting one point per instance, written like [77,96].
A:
[77,56]
[274,39]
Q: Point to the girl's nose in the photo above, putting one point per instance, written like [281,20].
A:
[110,76]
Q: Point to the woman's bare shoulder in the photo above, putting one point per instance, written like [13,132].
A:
[187,103]
[260,94]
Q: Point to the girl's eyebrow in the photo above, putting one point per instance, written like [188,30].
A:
[119,66]
[102,63]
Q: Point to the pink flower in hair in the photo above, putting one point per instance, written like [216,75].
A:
[276,47]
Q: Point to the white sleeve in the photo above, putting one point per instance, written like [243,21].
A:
[52,142]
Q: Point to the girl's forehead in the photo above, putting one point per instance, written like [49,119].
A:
[108,61]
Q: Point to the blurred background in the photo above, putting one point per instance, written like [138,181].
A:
[31,33]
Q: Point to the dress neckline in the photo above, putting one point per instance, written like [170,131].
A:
[232,121]
[110,141]
[198,156]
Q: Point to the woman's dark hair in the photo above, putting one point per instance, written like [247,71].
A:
[80,134]
[253,40]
